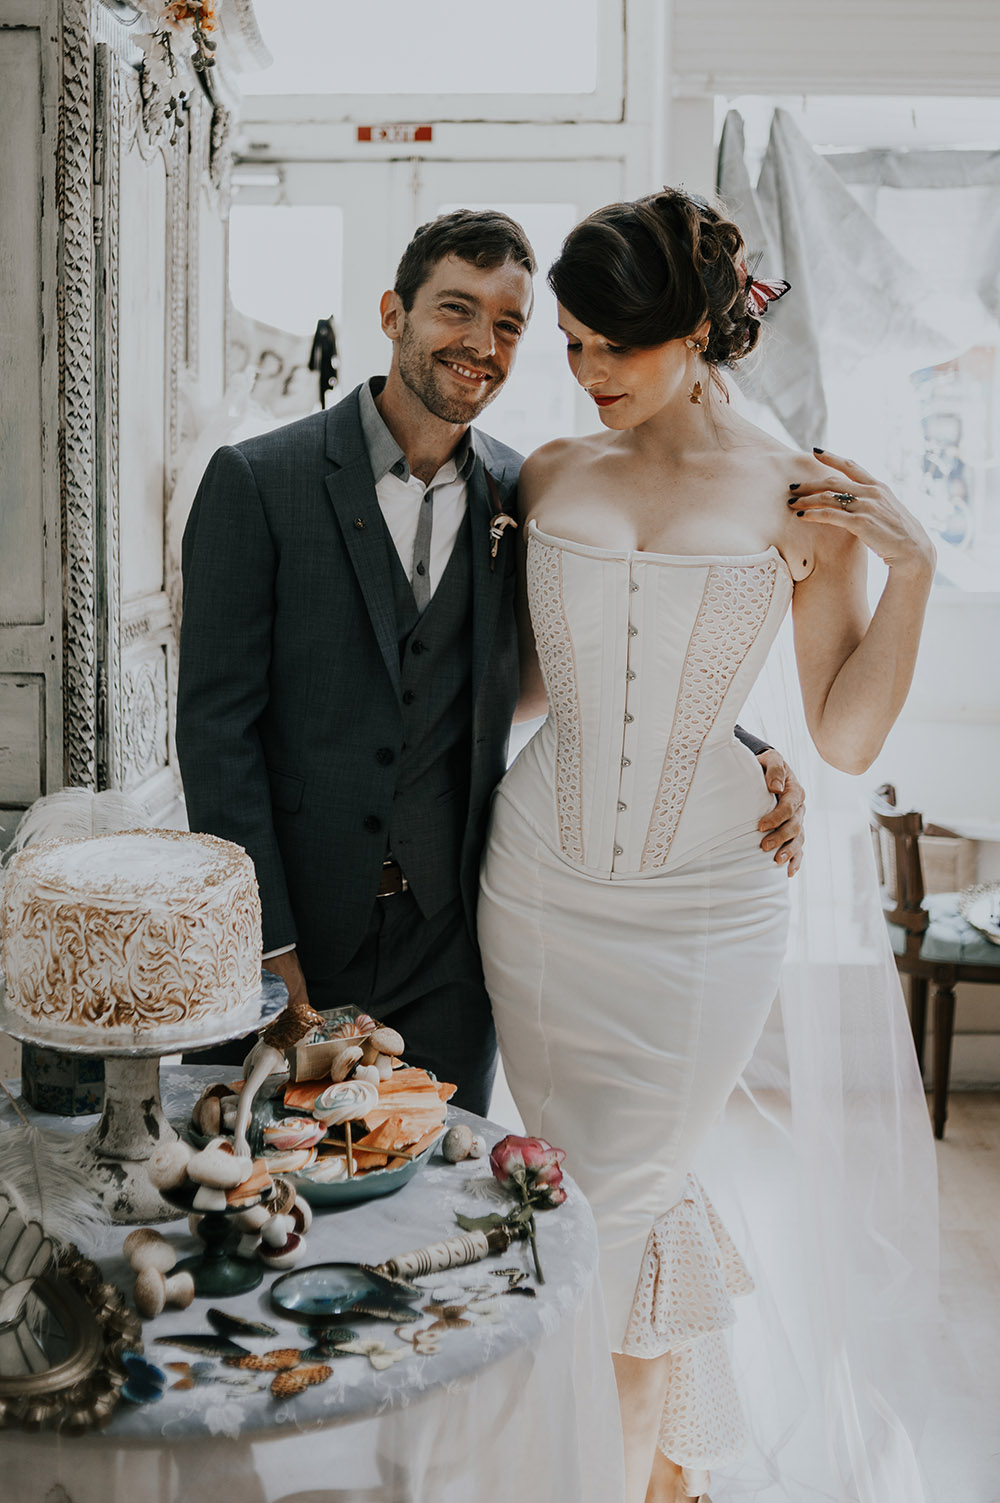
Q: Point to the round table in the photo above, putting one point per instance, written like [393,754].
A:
[517,1401]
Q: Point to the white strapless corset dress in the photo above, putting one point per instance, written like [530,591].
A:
[632,929]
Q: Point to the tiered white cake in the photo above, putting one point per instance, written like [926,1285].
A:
[124,934]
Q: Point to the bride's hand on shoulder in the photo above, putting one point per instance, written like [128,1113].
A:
[866,508]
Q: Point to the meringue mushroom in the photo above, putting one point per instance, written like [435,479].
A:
[153,1291]
[478,1146]
[387,1040]
[276,1230]
[285,1256]
[146,1248]
[219,1167]
[209,1198]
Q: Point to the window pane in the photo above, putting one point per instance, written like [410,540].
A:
[435,47]
[286,264]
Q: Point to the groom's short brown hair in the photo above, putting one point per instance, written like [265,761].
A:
[483,237]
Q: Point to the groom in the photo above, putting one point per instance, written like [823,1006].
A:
[348,663]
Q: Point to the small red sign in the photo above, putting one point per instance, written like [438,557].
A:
[396,134]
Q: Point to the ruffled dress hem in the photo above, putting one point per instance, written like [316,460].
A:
[683,1307]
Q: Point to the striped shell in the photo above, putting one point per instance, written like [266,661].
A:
[354,1027]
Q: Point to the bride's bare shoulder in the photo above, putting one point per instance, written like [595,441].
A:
[552,460]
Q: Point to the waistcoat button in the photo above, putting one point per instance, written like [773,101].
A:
[385,756]
[372,823]
[408,696]
[417,648]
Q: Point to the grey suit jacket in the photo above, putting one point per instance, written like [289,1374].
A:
[289,673]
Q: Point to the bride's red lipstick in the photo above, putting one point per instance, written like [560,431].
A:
[606,401]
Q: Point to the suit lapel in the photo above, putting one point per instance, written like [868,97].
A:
[366,540]
[487,583]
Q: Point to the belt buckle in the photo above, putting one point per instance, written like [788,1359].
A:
[393,867]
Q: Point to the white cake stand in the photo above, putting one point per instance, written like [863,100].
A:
[132,1125]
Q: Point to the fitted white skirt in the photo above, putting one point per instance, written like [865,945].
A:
[626,1012]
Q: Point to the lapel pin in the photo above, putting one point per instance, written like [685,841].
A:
[359,523]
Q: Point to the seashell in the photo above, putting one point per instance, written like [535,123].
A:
[276,1231]
[235,1325]
[352,1027]
[219,1168]
[280,1360]
[167,1167]
[345,1102]
[291,1160]
[287,1256]
[478,1148]
[208,1198]
[287,1385]
[205,1346]
[345,1061]
[387,1040]
[293,1132]
[457,1143]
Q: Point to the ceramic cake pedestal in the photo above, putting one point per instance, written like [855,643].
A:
[117,1149]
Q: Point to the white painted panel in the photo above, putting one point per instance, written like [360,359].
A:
[21,531]
[143,362]
[836,46]
[21,745]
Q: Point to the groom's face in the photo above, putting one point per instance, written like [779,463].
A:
[456,345]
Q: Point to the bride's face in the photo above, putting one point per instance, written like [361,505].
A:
[627,385]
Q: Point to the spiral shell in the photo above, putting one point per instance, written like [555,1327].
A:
[345,1102]
[354,1027]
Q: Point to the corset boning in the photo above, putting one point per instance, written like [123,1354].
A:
[648,659]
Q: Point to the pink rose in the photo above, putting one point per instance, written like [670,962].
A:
[531,1158]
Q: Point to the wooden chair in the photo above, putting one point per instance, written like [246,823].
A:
[930,939]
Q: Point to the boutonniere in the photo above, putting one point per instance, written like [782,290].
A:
[500,520]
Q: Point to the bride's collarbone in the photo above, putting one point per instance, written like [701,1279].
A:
[689,528]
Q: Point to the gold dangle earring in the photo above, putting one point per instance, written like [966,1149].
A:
[697,391]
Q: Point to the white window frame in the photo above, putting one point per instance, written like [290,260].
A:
[605,103]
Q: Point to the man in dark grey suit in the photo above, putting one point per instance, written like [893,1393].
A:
[348,666]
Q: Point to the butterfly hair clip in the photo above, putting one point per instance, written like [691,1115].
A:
[760,290]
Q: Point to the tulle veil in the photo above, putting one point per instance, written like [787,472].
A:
[824,1170]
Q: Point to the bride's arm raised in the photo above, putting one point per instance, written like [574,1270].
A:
[855,668]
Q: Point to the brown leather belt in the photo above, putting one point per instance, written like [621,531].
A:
[392,880]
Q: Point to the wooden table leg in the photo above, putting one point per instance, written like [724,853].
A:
[944,1026]
[918,1017]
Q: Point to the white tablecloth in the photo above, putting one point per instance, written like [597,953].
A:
[518,1404]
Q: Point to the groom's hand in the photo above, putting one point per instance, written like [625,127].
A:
[782,825]
[287,966]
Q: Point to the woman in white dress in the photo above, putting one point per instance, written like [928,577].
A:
[632,929]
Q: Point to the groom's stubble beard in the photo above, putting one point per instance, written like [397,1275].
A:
[420,373]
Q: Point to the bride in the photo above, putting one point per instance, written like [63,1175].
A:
[632,930]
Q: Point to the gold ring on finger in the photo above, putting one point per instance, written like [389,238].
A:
[846,499]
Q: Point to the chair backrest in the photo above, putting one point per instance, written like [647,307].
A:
[902,877]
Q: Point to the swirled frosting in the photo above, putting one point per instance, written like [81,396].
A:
[130,932]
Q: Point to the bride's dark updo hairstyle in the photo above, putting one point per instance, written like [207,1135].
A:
[646,272]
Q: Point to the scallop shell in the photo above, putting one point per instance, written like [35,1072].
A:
[345,1102]
[354,1027]
[293,1132]
[287,1385]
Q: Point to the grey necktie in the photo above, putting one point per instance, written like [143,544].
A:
[420,573]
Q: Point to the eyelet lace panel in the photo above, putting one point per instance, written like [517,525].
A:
[733,609]
[682,1307]
[558,660]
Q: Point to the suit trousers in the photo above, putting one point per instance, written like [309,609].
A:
[424,977]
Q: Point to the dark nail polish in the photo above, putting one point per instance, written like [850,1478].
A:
[818,451]
[800,513]
[793,485]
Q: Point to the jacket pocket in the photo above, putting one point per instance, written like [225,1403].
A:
[286,790]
